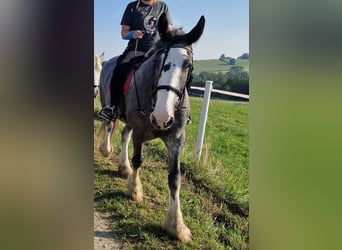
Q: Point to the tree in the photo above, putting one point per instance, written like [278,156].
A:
[244,56]
[238,80]
[232,61]
[218,79]
[222,57]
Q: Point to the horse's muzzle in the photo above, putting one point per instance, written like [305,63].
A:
[162,124]
[96,90]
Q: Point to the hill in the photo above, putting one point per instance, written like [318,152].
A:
[215,65]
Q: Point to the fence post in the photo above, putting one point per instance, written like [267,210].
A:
[203,121]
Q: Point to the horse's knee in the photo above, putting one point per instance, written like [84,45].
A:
[109,126]
[126,134]
[125,168]
[137,161]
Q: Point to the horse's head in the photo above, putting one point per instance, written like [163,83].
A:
[97,72]
[174,53]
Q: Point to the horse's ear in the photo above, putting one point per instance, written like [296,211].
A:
[163,24]
[196,32]
[102,56]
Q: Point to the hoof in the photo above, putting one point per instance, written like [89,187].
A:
[105,151]
[125,171]
[137,196]
[180,231]
[183,233]
[134,188]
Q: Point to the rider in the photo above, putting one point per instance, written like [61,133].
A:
[139,26]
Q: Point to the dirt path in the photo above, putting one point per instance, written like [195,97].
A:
[103,236]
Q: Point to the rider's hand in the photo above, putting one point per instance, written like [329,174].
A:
[138,34]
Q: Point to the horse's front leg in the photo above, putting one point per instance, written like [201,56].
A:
[134,187]
[173,222]
[124,167]
[106,147]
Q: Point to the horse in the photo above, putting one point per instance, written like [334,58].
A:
[98,61]
[157,106]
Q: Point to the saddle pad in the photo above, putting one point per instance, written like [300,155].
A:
[129,77]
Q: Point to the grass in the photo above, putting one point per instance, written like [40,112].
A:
[215,65]
[243,63]
[214,193]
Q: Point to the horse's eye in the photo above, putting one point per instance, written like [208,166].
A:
[187,64]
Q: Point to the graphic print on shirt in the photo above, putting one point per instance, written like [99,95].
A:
[150,24]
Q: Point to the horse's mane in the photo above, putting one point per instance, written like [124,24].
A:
[175,36]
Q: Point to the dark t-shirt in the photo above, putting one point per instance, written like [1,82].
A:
[144,18]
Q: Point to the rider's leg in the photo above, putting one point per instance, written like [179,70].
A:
[120,72]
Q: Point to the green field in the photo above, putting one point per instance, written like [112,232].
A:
[214,193]
[215,65]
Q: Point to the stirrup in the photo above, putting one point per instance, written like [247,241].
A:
[107,114]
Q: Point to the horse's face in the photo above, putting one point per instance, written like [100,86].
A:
[97,72]
[175,69]
[175,57]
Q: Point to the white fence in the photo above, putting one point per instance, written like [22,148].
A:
[223,92]
[204,114]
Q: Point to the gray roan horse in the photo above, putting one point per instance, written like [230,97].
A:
[156,106]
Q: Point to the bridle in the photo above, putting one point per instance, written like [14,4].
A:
[178,92]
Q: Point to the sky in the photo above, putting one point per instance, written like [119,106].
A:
[226,30]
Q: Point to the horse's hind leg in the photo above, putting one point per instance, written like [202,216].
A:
[173,222]
[134,187]
[106,147]
[125,168]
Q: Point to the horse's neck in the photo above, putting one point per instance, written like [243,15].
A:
[147,70]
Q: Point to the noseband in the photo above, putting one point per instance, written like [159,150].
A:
[178,92]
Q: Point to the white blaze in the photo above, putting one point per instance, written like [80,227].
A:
[167,99]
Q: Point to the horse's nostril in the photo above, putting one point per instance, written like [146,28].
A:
[169,122]
[165,125]
[153,120]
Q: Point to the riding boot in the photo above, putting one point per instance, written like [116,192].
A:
[108,113]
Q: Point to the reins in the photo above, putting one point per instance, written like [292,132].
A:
[135,82]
